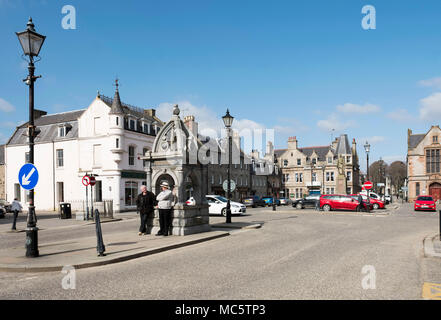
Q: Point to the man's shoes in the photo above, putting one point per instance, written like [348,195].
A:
[159,234]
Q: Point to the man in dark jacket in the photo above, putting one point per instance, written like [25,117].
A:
[145,203]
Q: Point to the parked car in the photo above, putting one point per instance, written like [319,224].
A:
[6,205]
[218,205]
[2,212]
[254,202]
[269,201]
[284,201]
[306,202]
[424,203]
[340,202]
[190,202]
[376,204]
[372,195]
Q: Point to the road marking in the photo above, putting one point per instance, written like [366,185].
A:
[432,291]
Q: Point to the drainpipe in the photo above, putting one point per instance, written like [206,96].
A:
[53,170]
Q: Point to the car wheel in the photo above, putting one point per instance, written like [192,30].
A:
[376,206]
[326,207]
[224,212]
[299,206]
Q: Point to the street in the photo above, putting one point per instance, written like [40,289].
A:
[297,254]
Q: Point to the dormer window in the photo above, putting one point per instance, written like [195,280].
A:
[435,139]
[329,159]
[348,159]
[314,160]
[63,130]
[132,124]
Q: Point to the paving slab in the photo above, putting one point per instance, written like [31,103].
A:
[82,253]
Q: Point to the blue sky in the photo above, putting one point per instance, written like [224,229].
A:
[300,67]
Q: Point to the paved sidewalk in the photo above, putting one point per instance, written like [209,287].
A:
[432,246]
[82,253]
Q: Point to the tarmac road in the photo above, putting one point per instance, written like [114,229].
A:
[297,254]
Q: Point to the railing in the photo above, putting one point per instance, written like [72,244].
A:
[105,207]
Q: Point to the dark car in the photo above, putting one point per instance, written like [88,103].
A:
[306,202]
[269,201]
[254,202]
[5,205]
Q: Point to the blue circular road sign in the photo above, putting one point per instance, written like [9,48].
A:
[28,176]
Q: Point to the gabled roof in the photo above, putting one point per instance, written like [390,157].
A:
[415,139]
[279,152]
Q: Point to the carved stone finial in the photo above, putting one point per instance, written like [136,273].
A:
[176,110]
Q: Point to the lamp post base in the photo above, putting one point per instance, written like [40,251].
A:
[32,242]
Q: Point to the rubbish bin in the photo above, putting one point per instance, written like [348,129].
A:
[65,211]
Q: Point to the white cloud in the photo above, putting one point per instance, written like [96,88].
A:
[373,139]
[356,108]
[433,82]
[400,115]
[6,106]
[430,107]
[333,122]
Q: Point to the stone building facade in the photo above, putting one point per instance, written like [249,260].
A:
[332,169]
[424,163]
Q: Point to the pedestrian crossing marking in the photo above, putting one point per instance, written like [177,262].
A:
[432,291]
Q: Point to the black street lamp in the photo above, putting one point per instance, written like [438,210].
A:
[228,121]
[31,42]
[273,184]
[367,148]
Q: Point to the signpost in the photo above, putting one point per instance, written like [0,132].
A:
[86,182]
[368,185]
[92,182]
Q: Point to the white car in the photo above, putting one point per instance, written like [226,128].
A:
[372,195]
[218,205]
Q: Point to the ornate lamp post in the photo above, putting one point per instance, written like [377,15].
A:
[228,121]
[31,42]
[273,184]
[367,148]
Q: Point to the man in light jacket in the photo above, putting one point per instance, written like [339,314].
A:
[165,203]
[16,208]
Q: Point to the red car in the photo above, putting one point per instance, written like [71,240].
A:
[339,202]
[424,203]
[376,204]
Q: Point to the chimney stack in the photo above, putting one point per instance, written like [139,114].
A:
[191,124]
[292,143]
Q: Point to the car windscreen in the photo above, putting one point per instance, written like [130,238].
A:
[221,199]
[424,199]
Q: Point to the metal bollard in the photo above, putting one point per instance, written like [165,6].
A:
[99,235]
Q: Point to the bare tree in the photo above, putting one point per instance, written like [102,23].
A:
[397,173]
[377,174]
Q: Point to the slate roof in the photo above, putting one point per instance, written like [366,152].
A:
[343,145]
[321,151]
[130,110]
[2,154]
[415,139]
[56,118]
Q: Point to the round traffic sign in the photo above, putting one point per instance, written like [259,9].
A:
[368,185]
[232,185]
[86,180]
[28,176]
[92,180]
